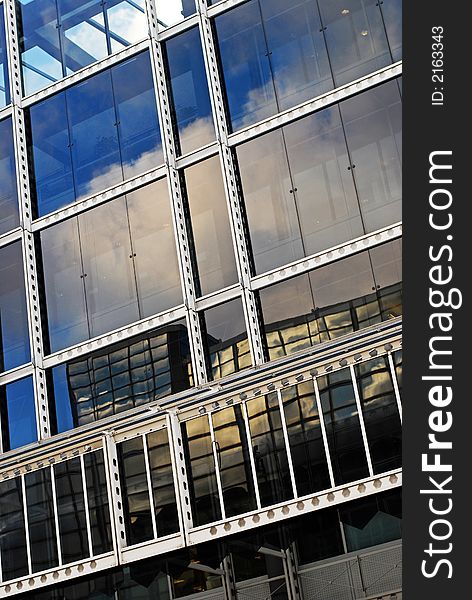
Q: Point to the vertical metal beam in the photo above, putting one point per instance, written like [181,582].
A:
[149,484]
[393,375]
[114,494]
[287,443]
[232,191]
[25,516]
[217,467]
[361,419]
[251,455]
[25,207]
[86,506]
[176,193]
[56,515]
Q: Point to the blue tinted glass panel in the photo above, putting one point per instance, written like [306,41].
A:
[39,44]
[126,22]
[64,285]
[51,156]
[95,150]
[14,339]
[18,414]
[191,100]
[9,218]
[246,68]
[355,36]
[4,83]
[138,123]
[170,12]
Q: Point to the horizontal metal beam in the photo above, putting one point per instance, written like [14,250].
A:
[11,236]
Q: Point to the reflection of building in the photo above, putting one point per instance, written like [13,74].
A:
[200,299]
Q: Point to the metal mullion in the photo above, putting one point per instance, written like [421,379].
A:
[323,432]
[56,516]
[176,475]
[251,455]
[86,505]
[25,516]
[287,443]
[393,375]
[217,467]
[361,419]
[149,485]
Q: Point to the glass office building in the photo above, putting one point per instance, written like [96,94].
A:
[200,299]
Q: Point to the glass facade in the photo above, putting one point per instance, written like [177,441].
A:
[185,263]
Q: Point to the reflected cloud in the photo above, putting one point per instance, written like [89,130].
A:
[196,134]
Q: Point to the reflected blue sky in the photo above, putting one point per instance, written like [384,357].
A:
[9,217]
[18,414]
[4,83]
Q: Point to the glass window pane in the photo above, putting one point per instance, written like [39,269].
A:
[162,478]
[18,414]
[392,15]
[226,339]
[97,495]
[126,22]
[245,64]
[14,337]
[4,79]
[201,471]
[122,376]
[42,529]
[317,536]
[305,438]
[398,362]
[343,430]
[110,285]
[210,226]
[71,510]
[373,126]
[355,36]
[170,12]
[271,208]
[152,237]
[297,50]
[83,38]
[13,534]
[387,266]
[234,461]
[189,90]
[9,217]
[136,116]
[51,173]
[270,453]
[381,417]
[135,491]
[39,44]
[95,151]
[64,287]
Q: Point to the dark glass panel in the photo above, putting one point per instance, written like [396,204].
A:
[234,461]
[297,51]
[135,491]
[398,362]
[94,137]
[110,284]
[201,471]
[14,337]
[136,115]
[186,581]
[50,152]
[98,502]
[343,430]
[387,267]
[9,217]
[71,510]
[170,12]
[83,34]
[270,453]
[39,44]
[305,439]
[153,241]
[210,226]
[373,126]
[64,286]
[162,479]
[126,22]
[18,414]
[4,79]
[372,521]
[226,339]
[189,90]
[382,420]
[245,64]
[14,555]
[271,208]
[122,376]
[317,536]
[392,15]
[42,529]
[355,36]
